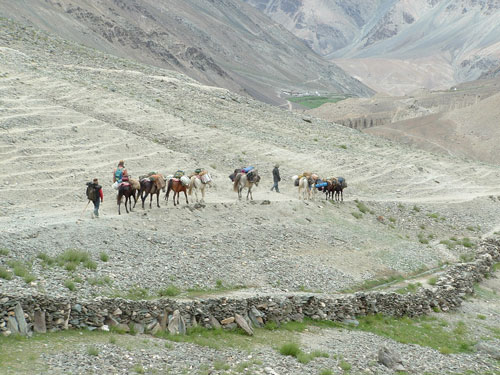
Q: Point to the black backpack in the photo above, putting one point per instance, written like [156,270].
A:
[92,191]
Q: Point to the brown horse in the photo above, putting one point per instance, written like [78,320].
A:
[177,186]
[125,190]
[152,185]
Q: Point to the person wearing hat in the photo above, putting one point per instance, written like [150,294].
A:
[276,178]
[119,172]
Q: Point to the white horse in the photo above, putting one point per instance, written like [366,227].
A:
[304,189]
[198,185]
[241,181]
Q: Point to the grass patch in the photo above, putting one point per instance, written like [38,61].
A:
[416,208]
[90,264]
[373,283]
[70,284]
[466,258]
[169,291]
[362,207]
[392,220]
[357,215]
[449,244]
[290,348]
[5,274]
[432,280]
[313,101]
[4,252]
[325,371]
[103,257]
[422,238]
[93,350]
[345,366]
[105,280]
[466,242]
[423,331]
[138,369]
[410,288]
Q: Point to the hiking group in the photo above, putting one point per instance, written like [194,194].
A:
[153,183]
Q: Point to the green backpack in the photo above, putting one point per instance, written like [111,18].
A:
[92,191]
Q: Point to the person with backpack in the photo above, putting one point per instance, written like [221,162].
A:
[119,172]
[276,178]
[94,194]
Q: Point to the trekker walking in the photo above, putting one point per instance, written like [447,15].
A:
[94,193]
[276,178]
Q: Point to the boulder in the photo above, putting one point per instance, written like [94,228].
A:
[177,326]
[214,322]
[242,323]
[39,322]
[21,322]
[390,359]
[12,325]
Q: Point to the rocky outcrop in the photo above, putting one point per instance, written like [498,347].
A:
[63,313]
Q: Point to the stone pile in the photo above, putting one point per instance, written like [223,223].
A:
[22,314]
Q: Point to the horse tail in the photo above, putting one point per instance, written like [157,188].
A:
[169,187]
[191,183]
[236,182]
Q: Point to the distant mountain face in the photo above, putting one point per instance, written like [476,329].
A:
[223,43]
[461,37]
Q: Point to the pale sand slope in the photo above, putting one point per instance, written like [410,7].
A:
[69,114]
[472,131]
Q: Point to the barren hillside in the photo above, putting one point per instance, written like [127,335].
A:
[462,121]
[68,113]
[397,46]
[224,43]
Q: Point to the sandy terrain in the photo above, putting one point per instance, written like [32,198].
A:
[68,114]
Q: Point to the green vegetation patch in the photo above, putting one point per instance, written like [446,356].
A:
[423,331]
[313,101]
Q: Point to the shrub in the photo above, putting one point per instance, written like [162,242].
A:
[90,264]
[70,285]
[4,274]
[346,366]
[93,350]
[290,348]
[169,291]
[357,215]
[362,207]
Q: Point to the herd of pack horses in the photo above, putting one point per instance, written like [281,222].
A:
[308,185]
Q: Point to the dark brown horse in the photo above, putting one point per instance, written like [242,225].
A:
[177,187]
[152,185]
[126,190]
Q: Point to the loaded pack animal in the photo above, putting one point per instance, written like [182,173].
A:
[246,180]
[197,183]
[339,187]
[177,186]
[152,185]
[306,184]
[129,190]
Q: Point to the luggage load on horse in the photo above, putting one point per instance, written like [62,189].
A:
[252,175]
[178,174]
[295,180]
[321,185]
[184,180]
[203,175]
[342,182]
[247,169]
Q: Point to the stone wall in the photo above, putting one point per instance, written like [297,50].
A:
[43,312]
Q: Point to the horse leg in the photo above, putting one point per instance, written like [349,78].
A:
[158,199]
[175,193]
[127,199]
[187,202]
[202,194]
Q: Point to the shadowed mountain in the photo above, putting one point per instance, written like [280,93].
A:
[221,43]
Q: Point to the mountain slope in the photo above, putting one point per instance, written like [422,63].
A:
[422,43]
[221,43]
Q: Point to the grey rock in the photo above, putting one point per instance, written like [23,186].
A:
[242,323]
[39,325]
[12,325]
[23,326]
[214,322]
[177,326]
[390,359]
[490,349]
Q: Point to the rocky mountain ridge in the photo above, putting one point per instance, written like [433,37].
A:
[221,43]
[432,43]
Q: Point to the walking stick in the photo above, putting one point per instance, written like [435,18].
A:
[80,218]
